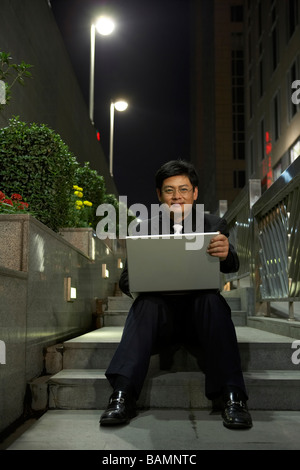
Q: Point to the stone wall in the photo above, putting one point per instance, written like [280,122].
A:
[35,266]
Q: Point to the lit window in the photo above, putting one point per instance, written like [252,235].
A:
[295,151]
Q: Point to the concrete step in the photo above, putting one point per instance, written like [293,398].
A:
[259,350]
[89,389]
[239,317]
[272,378]
[156,436]
[114,318]
[282,326]
[233,302]
[121,302]
[118,318]
[118,308]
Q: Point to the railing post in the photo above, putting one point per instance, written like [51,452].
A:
[2,352]
[263,308]
[254,191]
[223,206]
[291,311]
[254,195]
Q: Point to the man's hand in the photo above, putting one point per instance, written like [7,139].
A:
[219,246]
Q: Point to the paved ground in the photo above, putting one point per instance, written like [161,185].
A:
[183,431]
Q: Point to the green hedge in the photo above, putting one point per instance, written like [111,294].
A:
[93,188]
[37,164]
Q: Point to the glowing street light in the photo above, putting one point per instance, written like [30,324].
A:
[119,106]
[105,27]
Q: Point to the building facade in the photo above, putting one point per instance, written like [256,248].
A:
[272,74]
[245,94]
[218,107]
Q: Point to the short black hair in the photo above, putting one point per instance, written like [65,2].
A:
[174,168]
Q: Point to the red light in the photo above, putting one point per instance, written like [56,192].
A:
[268,143]
[98,136]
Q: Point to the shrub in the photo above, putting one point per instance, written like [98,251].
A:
[81,210]
[10,74]
[35,162]
[93,189]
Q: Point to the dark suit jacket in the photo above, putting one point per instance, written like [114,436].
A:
[212,223]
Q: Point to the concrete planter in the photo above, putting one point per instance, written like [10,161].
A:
[82,238]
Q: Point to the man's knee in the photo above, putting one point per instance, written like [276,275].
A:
[149,301]
[212,303]
[148,309]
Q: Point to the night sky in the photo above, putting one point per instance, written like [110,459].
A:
[146,61]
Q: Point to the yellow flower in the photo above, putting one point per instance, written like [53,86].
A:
[79,203]
[87,203]
[77,187]
[78,208]
[78,193]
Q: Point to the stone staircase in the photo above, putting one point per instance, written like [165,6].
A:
[75,369]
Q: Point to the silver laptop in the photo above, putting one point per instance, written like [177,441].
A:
[171,263]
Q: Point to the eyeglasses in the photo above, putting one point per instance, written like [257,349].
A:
[182,191]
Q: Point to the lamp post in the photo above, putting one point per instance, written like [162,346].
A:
[119,106]
[104,26]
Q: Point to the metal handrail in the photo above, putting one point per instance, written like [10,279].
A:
[266,235]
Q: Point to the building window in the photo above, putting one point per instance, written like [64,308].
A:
[239,179]
[261,77]
[237,13]
[274,39]
[250,48]
[276,116]
[292,16]
[259,18]
[295,151]
[250,101]
[262,139]
[251,157]
[292,77]
[273,12]
[238,100]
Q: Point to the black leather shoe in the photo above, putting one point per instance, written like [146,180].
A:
[121,408]
[235,414]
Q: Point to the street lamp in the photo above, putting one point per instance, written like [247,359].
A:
[119,106]
[104,26]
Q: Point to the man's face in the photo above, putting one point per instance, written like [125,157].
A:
[177,191]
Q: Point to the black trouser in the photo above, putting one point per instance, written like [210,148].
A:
[201,320]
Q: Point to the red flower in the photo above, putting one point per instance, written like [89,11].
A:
[15,201]
[16,197]
[7,201]
[23,205]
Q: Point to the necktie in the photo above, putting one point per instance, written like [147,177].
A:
[177,229]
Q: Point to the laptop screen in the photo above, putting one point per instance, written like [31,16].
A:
[171,263]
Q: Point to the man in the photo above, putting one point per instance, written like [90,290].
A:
[200,319]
